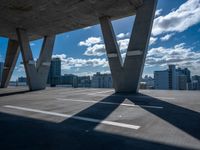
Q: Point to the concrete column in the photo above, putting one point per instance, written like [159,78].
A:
[126,77]
[37,72]
[10,62]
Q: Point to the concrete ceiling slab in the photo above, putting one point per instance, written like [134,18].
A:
[46,17]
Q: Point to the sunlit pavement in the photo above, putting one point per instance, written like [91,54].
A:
[88,118]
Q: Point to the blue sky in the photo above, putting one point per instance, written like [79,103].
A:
[175,40]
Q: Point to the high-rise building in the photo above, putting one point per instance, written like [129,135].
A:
[54,76]
[84,81]
[69,79]
[185,72]
[147,82]
[172,78]
[161,80]
[22,79]
[182,82]
[101,80]
[195,83]
[1,70]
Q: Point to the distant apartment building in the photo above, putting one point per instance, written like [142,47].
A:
[195,83]
[161,80]
[22,81]
[101,80]
[54,76]
[69,79]
[84,81]
[172,78]
[1,70]
[147,82]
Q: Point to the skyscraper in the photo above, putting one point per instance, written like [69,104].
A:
[54,76]
[172,78]
[101,80]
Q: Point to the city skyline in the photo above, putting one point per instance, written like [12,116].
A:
[173,78]
[82,51]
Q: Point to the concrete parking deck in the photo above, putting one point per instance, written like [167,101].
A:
[68,118]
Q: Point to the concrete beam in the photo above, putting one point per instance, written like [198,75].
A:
[10,62]
[37,72]
[126,77]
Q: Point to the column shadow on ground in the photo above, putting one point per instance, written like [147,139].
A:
[19,132]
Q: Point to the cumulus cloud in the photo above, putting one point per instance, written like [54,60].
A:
[90,41]
[178,20]
[152,40]
[123,35]
[96,47]
[70,62]
[86,28]
[20,68]
[179,55]
[123,45]
[32,44]
[95,50]
[158,12]
[166,37]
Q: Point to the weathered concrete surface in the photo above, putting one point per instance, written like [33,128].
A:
[12,54]
[126,76]
[49,17]
[36,72]
[175,125]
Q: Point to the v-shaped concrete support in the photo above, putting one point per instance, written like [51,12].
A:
[37,72]
[10,62]
[126,76]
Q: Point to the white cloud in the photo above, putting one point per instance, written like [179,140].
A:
[32,44]
[166,37]
[153,40]
[86,28]
[99,49]
[123,45]
[96,47]
[123,35]
[95,50]
[90,41]
[70,62]
[158,12]
[20,68]
[179,55]
[178,20]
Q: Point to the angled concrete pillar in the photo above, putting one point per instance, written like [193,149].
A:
[10,62]
[126,77]
[36,72]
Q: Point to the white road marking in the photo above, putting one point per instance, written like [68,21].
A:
[117,124]
[100,92]
[110,103]
[164,97]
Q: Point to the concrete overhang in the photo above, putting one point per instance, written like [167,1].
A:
[47,17]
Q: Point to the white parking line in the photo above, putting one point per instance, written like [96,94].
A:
[117,124]
[100,92]
[164,97]
[110,103]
